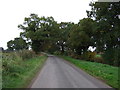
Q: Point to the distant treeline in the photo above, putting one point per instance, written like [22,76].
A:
[101,30]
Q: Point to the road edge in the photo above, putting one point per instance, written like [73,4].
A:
[85,73]
[36,74]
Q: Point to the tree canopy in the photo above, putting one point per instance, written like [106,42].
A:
[107,36]
[17,44]
[100,29]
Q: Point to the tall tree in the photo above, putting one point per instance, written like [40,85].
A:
[81,36]
[40,31]
[30,28]
[107,33]
[64,31]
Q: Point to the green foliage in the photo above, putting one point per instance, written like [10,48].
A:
[89,56]
[17,72]
[112,57]
[98,55]
[107,35]
[40,31]
[17,44]
[64,31]
[102,71]
[11,61]
[100,30]
[25,54]
[99,59]
[81,36]
[57,53]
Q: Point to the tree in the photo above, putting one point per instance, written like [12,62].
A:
[81,36]
[107,32]
[64,31]
[10,45]
[41,32]
[30,28]
[17,44]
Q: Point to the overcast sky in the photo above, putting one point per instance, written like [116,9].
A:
[12,13]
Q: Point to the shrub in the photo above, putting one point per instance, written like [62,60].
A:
[112,56]
[89,56]
[76,56]
[11,61]
[18,72]
[57,53]
[98,59]
[26,54]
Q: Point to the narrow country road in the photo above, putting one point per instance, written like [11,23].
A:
[57,73]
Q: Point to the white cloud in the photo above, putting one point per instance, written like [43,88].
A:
[14,11]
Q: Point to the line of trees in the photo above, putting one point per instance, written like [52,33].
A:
[101,30]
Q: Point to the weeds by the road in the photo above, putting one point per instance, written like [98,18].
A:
[20,68]
[107,73]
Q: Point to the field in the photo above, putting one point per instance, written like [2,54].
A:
[106,73]
[18,72]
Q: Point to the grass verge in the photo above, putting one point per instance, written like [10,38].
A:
[27,71]
[107,73]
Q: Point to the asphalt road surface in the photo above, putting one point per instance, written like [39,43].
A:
[57,73]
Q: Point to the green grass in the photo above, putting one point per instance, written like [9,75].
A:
[107,73]
[98,55]
[24,73]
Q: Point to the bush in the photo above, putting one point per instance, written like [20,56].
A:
[89,56]
[112,56]
[18,72]
[98,59]
[26,54]
[76,56]
[11,61]
[57,53]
